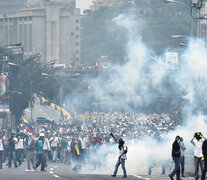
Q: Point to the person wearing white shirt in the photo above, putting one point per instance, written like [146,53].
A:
[122,156]
[21,152]
[17,157]
[1,150]
[54,146]
[197,142]
[46,149]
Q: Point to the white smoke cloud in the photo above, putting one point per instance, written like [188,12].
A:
[190,81]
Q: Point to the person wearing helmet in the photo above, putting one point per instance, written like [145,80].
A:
[197,142]
[40,153]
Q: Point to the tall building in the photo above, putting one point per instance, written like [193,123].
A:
[48,27]
[203,23]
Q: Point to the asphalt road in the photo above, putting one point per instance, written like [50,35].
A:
[54,172]
[42,111]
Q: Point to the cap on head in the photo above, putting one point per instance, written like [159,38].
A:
[42,134]
[198,135]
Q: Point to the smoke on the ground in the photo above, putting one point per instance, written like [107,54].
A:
[132,86]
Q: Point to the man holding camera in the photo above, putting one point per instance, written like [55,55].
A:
[197,142]
[122,156]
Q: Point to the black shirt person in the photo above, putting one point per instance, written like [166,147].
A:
[176,158]
[122,156]
[204,150]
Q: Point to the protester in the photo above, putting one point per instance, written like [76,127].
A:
[204,150]
[11,150]
[5,140]
[46,149]
[182,156]
[41,159]
[21,152]
[30,146]
[176,158]
[54,146]
[197,142]
[1,150]
[122,156]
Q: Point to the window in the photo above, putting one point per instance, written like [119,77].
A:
[72,33]
[25,18]
[30,18]
[77,20]
[77,36]
[77,28]
[77,59]
[77,51]
[77,44]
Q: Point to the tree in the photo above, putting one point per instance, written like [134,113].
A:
[20,82]
[101,36]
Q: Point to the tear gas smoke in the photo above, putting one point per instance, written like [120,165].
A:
[133,86]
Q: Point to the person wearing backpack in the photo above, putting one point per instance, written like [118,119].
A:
[122,156]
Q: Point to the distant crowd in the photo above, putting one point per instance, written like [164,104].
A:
[70,142]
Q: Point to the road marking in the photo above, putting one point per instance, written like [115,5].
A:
[51,169]
[141,177]
[51,172]
[56,176]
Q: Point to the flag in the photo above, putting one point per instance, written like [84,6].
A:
[28,126]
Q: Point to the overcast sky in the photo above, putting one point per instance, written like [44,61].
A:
[83,4]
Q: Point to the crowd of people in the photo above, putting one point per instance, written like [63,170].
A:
[72,140]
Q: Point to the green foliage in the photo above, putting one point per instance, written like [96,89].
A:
[101,37]
[20,81]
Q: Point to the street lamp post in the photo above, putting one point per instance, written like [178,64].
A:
[31,85]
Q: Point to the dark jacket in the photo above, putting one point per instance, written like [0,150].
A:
[176,149]
[204,148]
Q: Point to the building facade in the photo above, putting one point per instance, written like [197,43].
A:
[109,3]
[51,29]
[203,23]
